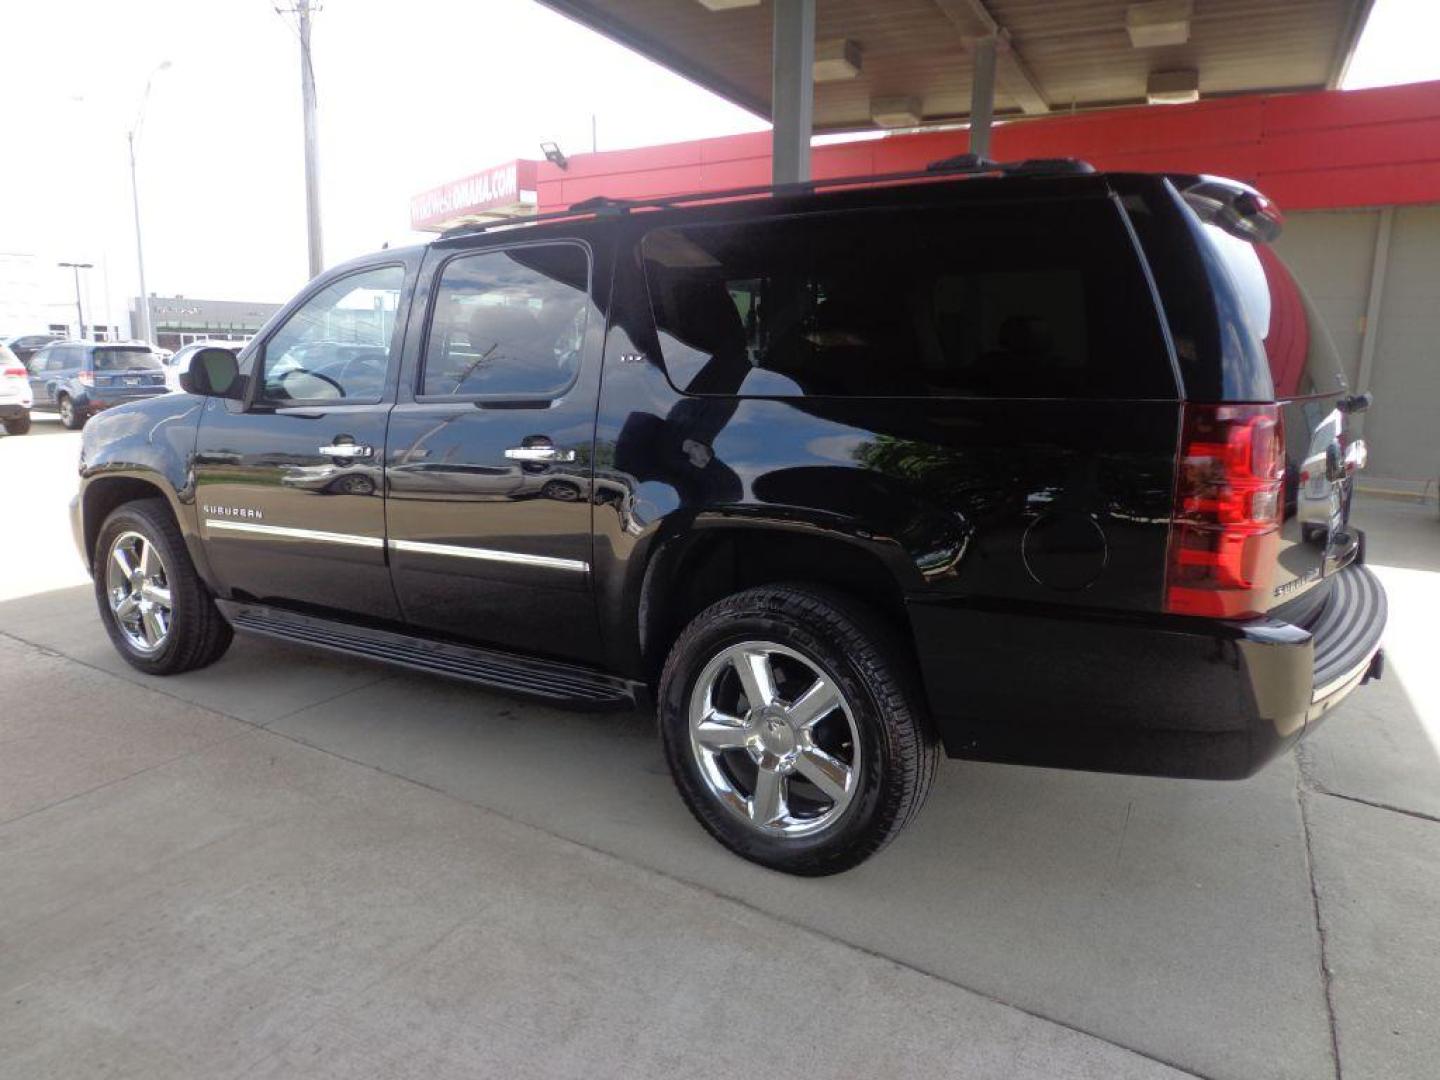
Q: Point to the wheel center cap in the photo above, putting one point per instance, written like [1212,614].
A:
[777,737]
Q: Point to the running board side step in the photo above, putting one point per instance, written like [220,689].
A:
[569,685]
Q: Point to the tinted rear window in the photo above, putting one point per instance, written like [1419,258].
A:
[126,360]
[1302,359]
[1011,300]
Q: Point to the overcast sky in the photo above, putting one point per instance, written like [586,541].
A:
[412,93]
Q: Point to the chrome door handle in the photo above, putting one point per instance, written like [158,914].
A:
[347,450]
[539,453]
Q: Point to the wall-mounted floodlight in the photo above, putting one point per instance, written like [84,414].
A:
[553,155]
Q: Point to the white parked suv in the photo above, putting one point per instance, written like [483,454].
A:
[15,396]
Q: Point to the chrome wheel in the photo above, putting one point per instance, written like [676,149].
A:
[67,412]
[138,587]
[774,738]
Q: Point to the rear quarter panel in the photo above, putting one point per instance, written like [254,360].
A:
[971,504]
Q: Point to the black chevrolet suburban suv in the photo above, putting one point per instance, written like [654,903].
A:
[1024,463]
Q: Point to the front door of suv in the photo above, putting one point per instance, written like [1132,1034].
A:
[289,485]
[489,462]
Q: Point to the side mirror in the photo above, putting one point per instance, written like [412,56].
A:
[212,373]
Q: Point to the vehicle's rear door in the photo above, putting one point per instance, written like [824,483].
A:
[289,485]
[489,460]
[1309,384]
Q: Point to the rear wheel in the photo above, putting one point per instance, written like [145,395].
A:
[19,425]
[70,416]
[794,729]
[158,613]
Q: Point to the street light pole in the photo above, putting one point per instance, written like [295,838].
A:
[79,311]
[312,164]
[144,308]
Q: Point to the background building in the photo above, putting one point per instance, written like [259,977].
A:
[179,320]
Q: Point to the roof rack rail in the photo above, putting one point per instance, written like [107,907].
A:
[961,165]
[601,205]
[965,163]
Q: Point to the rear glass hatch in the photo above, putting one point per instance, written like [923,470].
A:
[124,367]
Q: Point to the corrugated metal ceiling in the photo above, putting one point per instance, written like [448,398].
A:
[1077,52]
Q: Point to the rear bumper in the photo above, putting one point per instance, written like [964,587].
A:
[1161,697]
[1297,683]
[13,410]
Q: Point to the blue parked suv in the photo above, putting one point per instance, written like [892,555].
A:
[79,378]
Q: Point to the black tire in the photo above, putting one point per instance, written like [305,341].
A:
[198,634]
[70,416]
[863,656]
[19,425]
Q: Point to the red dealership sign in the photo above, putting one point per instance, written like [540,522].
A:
[503,191]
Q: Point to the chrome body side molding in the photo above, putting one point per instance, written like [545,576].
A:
[460,551]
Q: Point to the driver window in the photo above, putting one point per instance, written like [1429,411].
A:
[337,346]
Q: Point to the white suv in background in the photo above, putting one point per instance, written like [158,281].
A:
[15,396]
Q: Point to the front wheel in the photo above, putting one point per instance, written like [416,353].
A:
[794,729]
[158,613]
[18,425]
[70,416]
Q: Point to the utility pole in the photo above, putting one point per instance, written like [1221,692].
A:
[144,308]
[79,311]
[312,165]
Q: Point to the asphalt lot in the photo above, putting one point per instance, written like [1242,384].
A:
[291,865]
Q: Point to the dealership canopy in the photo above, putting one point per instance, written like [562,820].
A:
[840,65]
[895,65]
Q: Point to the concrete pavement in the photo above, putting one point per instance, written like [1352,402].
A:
[307,866]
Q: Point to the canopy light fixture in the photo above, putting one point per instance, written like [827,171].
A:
[1159,22]
[727,5]
[1173,87]
[553,155]
[895,112]
[836,60]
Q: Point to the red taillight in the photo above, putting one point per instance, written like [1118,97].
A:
[86,378]
[17,372]
[1224,536]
